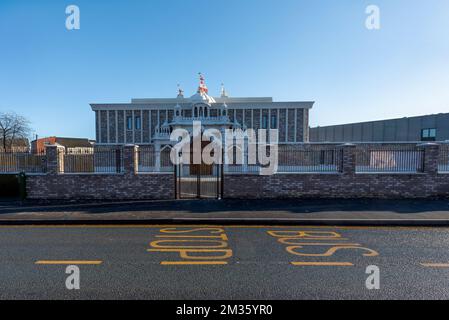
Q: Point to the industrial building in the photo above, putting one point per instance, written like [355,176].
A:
[434,127]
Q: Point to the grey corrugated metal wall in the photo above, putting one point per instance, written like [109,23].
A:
[404,129]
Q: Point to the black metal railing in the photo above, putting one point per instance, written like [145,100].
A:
[151,161]
[389,159]
[94,161]
[370,158]
[293,160]
[15,162]
[443,158]
[310,161]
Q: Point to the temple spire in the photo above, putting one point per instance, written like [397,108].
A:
[224,94]
[180,92]
[202,89]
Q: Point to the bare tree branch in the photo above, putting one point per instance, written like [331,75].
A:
[13,128]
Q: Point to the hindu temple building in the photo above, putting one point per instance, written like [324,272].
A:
[150,121]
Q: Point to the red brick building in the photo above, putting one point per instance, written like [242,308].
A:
[71,144]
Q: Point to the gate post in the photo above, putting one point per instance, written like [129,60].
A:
[55,158]
[348,159]
[198,182]
[430,157]
[217,175]
[131,159]
[175,178]
[222,175]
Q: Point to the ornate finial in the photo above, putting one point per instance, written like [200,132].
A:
[224,94]
[180,92]
[202,87]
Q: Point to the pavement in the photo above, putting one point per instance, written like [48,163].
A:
[223,262]
[288,211]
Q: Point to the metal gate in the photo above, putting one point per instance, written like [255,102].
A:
[199,181]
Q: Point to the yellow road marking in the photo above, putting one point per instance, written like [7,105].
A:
[188,249]
[166,263]
[223,237]
[221,244]
[74,262]
[185,253]
[435,265]
[326,264]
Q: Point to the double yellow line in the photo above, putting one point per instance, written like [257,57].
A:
[69,262]
[435,265]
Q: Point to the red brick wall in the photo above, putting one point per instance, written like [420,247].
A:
[393,186]
[345,184]
[101,186]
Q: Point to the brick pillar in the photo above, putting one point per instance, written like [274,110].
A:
[131,159]
[55,158]
[431,154]
[348,158]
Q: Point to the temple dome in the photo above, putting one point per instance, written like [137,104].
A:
[201,97]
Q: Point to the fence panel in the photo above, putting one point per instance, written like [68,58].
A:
[310,161]
[294,160]
[443,159]
[149,161]
[13,162]
[94,161]
[389,159]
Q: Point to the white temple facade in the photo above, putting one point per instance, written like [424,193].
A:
[151,121]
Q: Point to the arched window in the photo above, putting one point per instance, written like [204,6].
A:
[205,112]
[195,112]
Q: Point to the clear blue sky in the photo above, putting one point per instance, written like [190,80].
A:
[289,49]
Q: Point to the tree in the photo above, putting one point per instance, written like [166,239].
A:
[12,128]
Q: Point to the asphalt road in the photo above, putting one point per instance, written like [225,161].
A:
[335,211]
[230,262]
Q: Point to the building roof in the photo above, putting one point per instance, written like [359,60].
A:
[383,120]
[67,142]
[236,103]
[74,142]
[195,97]
[202,95]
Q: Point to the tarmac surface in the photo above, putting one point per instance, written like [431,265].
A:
[223,262]
[327,212]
